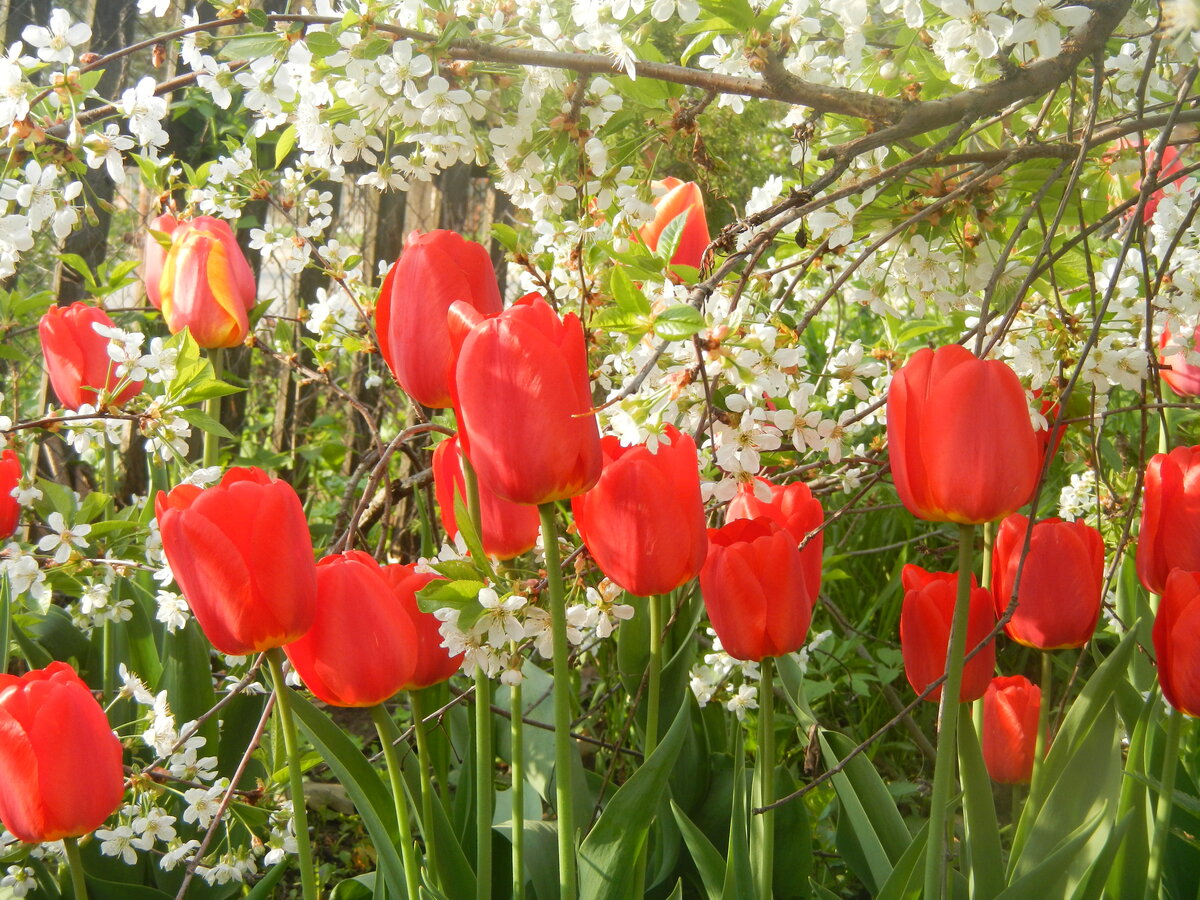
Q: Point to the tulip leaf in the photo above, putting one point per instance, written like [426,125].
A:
[266,887]
[739,881]
[185,653]
[905,881]
[608,855]
[677,323]
[362,783]
[982,842]
[1045,879]
[99,889]
[706,857]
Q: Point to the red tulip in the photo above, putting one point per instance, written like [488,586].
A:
[60,763]
[242,555]
[77,357]
[154,255]
[1176,637]
[792,507]
[756,590]
[929,599]
[509,529]
[10,477]
[960,438]
[523,401]
[643,522]
[683,198]
[207,286]
[1170,517]
[1010,726]
[434,270]
[362,647]
[433,664]
[1181,375]
[1058,602]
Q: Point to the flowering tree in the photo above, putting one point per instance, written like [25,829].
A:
[741,219]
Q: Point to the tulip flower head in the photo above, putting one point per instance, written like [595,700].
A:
[362,646]
[1010,725]
[792,507]
[509,529]
[960,439]
[643,522]
[434,271]
[206,284]
[1176,637]
[682,198]
[1058,599]
[1167,537]
[523,401]
[60,763]
[756,590]
[433,663]
[10,477]
[242,555]
[925,617]
[77,360]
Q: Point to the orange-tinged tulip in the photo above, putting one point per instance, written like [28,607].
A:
[154,255]
[207,285]
[929,599]
[10,477]
[435,270]
[433,663]
[509,529]
[77,357]
[60,763]
[1167,538]
[242,555]
[1010,725]
[755,589]
[1181,375]
[1176,638]
[960,439]
[362,646]
[683,198]
[1058,601]
[523,401]
[643,522]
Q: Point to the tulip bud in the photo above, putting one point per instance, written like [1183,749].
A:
[925,617]
[793,508]
[77,357]
[60,761]
[960,438]
[1010,725]
[435,270]
[643,522]
[755,589]
[206,284]
[1170,517]
[361,648]
[433,663]
[1176,637]
[1058,600]
[683,198]
[523,401]
[509,529]
[242,555]
[10,477]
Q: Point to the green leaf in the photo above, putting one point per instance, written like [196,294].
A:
[362,783]
[613,318]
[506,235]
[266,888]
[1045,879]
[205,422]
[439,594]
[626,294]
[982,841]
[668,239]
[678,323]
[707,858]
[905,881]
[186,677]
[739,881]
[99,889]
[322,43]
[608,855]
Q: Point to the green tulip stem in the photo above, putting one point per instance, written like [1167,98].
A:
[1043,726]
[425,766]
[518,791]
[484,759]
[947,744]
[5,620]
[212,409]
[283,702]
[388,735]
[763,834]
[1166,801]
[562,707]
[75,864]
[654,676]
